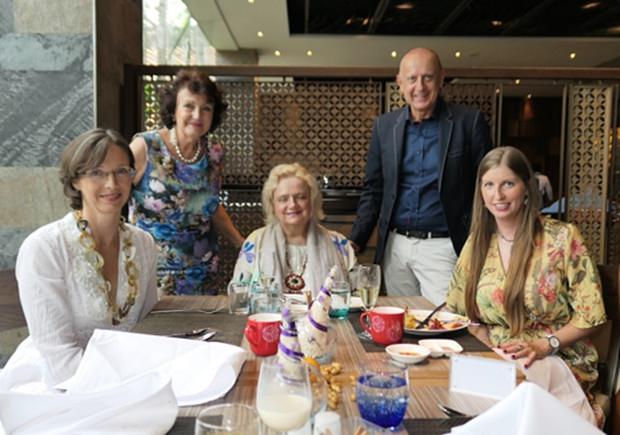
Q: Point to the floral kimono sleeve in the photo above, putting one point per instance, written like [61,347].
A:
[584,285]
[246,265]
[456,290]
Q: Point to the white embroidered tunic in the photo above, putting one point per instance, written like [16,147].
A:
[63,302]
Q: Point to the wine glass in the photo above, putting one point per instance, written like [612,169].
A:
[227,418]
[283,395]
[368,283]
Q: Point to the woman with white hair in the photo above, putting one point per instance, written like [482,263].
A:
[293,247]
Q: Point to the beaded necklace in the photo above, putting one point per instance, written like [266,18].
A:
[115,313]
[177,150]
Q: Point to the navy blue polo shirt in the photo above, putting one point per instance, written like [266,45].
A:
[418,205]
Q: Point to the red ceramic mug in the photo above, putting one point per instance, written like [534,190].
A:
[384,324]
[263,333]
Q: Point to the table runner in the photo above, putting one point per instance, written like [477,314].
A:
[229,326]
[415,426]
[463,337]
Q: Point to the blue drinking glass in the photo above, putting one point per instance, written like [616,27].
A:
[382,395]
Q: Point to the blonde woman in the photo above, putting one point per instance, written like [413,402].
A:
[530,281]
[293,247]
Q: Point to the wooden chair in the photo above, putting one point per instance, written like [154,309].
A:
[607,342]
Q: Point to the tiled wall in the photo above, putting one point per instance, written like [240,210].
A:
[46,99]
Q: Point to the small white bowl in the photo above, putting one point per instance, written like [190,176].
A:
[408,353]
[440,347]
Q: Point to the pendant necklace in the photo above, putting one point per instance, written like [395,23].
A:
[295,281]
[506,239]
[177,150]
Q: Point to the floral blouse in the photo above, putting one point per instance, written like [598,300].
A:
[175,202]
[562,287]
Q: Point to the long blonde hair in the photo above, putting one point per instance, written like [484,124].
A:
[483,226]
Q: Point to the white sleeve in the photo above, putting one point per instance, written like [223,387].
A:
[150,268]
[43,290]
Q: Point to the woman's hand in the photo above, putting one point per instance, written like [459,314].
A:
[530,350]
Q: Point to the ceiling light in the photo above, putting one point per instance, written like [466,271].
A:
[517,81]
[259,34]
[613,30]
[590,5]
[573,55]
[497,91]
[309,53]
[404,6]
[277,53]
[349,21]
[251,2]
[365,22]
[394,53]
[529,96]
[496,23]
[457,54]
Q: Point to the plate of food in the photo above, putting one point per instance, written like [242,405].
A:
[441,323]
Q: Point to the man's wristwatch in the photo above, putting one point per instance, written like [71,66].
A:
[554,344]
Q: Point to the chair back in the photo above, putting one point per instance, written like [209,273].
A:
[607,340]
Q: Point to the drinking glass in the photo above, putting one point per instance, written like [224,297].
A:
[341,300]
[239,298]
[283,395]
[382,393]
[367,283]
[229,418]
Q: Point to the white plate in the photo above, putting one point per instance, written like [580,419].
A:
[440,347]
[408,353]
[441,315]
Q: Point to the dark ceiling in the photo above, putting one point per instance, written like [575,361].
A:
[565,18]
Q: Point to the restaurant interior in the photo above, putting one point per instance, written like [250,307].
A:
[304,81]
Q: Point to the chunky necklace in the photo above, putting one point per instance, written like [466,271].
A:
[294,281]
[506,239]
[115,313]
[177,150]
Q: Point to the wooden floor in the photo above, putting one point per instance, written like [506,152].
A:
[11,315]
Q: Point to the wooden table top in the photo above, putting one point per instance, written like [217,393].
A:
[428,381]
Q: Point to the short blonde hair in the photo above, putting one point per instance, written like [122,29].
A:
[287,170]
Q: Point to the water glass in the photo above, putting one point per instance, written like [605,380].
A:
[382,395]
[229,418]
[239,298]
[341,300]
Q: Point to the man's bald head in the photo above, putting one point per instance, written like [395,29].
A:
[421,52]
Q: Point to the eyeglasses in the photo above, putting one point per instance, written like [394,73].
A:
[123,174]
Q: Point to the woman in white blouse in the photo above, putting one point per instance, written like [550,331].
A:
[87,270]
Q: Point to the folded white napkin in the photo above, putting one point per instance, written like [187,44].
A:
[144,405]
[200,371]
[528,410]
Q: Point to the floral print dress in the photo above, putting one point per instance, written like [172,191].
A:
[175,202]
[562,287]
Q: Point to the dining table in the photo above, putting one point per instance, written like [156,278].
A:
[428,380]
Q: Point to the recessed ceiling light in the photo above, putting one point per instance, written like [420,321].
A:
[496,23]
[573,55]
[590,5]
[529,96]
[277,53]
[349,21]
[404,6]
[251,1]
[365,22]
[517,81]
[613,30]
[309,53]
[497,90]
[457,54]
[394,53]
[259,34]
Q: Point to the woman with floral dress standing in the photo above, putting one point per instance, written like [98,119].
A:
[177,186]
